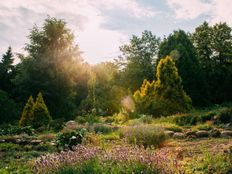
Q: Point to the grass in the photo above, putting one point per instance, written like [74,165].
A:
[192,155]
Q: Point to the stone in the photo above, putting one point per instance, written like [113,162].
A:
[226,133]
[169,133]
[70,123]
[190,133]
[202,133]
[36,142]
[215,133]
[179,135]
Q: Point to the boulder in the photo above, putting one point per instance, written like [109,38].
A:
[179,135]
[36,142]
[169,133]
[190,133]
[202,133]
[70,123]
[226,133]
[215,133]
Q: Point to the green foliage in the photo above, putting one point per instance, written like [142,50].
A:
[179,46]
[9,110]
[102,128]
[97,167]
[139,57]
[41,116]
[225,116]
[209,163]
[15,130]
[168,87]
[27,114]
[145,135]
[213,45]
[67,140]
[7,71]
[204,127]
[54,66]
[35,114]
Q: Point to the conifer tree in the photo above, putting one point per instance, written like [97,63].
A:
[27,114]
[41,115]
[169,89]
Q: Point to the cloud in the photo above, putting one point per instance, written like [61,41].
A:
[185,9]
[86,18]
[216,10]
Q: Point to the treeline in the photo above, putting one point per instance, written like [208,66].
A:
[197,72]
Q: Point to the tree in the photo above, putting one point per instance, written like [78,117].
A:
[53,66]
[179,46]
[27,114]
[140,55]
[9,110]
[213,45]
[6,70]
[169,93]
[41,116]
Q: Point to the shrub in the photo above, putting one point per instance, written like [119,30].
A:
[172,127]
[27,114]
[207,116]
[145,135]
[204,127]
[146,119]
[225,116]
[208,164]
[102,128]
[90,119]
[185,120]
[69,139]
[57,124]
[41,116]
[15,130]
[120,118]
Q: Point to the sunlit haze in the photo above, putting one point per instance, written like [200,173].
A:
[101,26]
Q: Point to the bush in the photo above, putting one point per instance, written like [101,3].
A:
[145,135]
[35,114]
[207,117]
[146,119]
[208,164]
[69,139]
[90,119]
[102,128]
[15,130]
[204,127]
[225,116]
[186,120]
[172,127]
[41,116]
[120,118]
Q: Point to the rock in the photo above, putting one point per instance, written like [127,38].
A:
[178,135]
[215,133]
[202,133]
[226,133]
[2,141]
[36,142]
[190,133]
[169,133]
[70,123]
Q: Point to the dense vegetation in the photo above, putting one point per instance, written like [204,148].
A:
[128,115]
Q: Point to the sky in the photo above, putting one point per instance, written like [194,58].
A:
[101,26]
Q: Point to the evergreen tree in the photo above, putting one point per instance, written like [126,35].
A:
[6,70]
[179,46]
[27,114]
[41,116]
[169,93]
